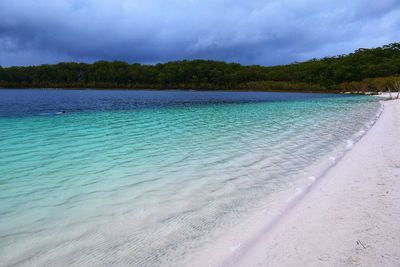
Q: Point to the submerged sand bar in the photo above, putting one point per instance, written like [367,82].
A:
[351,216]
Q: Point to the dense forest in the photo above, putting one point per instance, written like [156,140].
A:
[369,70]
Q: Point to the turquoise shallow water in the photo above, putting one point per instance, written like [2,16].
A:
[149,178]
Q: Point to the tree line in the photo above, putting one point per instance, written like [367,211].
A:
[363,70]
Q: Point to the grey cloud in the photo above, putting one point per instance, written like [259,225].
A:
[249,32]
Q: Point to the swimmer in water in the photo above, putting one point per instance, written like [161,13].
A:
[61,112]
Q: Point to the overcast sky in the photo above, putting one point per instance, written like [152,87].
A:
[265,32]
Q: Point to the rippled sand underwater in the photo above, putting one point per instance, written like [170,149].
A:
[150,184]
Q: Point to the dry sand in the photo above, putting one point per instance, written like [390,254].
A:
[351,217]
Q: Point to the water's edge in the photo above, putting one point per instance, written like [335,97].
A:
[238,241]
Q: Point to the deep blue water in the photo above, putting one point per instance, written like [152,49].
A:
[37,102]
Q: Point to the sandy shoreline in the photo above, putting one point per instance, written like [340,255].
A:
[351,217]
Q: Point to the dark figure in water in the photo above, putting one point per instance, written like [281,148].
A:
[61,112]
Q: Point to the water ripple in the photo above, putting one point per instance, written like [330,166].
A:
[149,186]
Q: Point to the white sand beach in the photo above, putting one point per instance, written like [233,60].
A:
[351,217]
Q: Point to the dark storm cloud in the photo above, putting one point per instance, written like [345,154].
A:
[250,32]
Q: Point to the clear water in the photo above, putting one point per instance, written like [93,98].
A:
[147,178]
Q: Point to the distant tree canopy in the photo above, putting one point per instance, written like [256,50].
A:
[363,70]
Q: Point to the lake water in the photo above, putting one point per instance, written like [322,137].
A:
[148,178]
